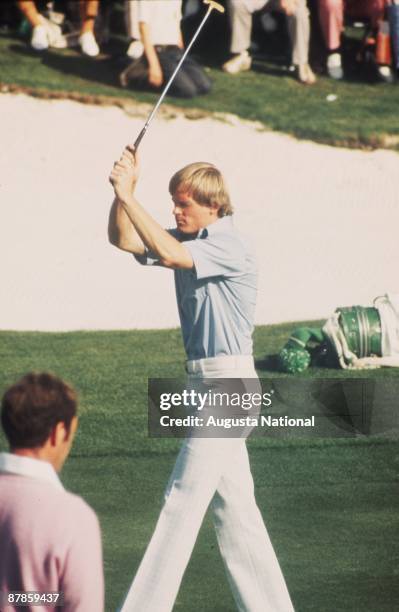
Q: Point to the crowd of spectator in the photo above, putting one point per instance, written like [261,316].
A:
[156,41]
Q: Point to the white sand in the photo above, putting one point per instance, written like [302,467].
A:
[324,220]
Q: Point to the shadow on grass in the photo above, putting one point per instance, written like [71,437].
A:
[103,70]
[99,70]
[344,402]
[269,363]
[277,69]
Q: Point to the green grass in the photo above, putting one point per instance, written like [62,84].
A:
[364,114]
[330,504]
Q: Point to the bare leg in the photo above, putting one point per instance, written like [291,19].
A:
[30,12]
[88,43]
[88,12]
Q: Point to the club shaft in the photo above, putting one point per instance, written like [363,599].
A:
[169,83]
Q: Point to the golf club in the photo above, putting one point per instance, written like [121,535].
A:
[212,5]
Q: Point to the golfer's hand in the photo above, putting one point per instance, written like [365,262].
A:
[155,76]
[125,174]
[289,6]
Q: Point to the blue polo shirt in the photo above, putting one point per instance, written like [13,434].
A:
[217,298]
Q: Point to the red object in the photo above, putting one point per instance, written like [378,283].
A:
[383,53]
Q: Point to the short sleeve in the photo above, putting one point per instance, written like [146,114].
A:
[147,259]
[220,254]
[148,11]
[143,11]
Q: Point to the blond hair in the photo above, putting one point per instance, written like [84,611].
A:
[205,184]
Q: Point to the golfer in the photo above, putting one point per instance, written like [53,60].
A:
[215,279]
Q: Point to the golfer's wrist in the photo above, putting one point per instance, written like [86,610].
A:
[127,201]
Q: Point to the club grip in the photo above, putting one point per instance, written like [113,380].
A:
[139,138]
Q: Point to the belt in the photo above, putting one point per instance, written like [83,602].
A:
[212,365]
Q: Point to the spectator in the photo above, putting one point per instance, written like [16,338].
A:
[47,34]
[297,13]
[49,538]
[157,48]
[331,14]
[9,16]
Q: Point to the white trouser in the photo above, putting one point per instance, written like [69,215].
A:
[240,12]
[216,472]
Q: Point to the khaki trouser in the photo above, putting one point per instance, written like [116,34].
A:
[240,12]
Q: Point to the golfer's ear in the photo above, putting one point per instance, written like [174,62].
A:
[58,433]
[53,436]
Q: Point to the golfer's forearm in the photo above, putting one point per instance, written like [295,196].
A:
[121,231]
[171,253]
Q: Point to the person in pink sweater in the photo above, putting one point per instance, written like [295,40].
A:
[49,538]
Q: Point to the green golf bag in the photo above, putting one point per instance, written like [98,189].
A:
[356,337]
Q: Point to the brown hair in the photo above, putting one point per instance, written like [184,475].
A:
[205,184]
[32,407]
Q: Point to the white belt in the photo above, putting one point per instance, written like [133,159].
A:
[224,363]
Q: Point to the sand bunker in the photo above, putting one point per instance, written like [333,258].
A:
[324,221]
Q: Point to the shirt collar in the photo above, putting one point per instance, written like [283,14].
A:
[27,466]
[222,224]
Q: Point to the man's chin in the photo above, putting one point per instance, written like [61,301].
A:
[187,231]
